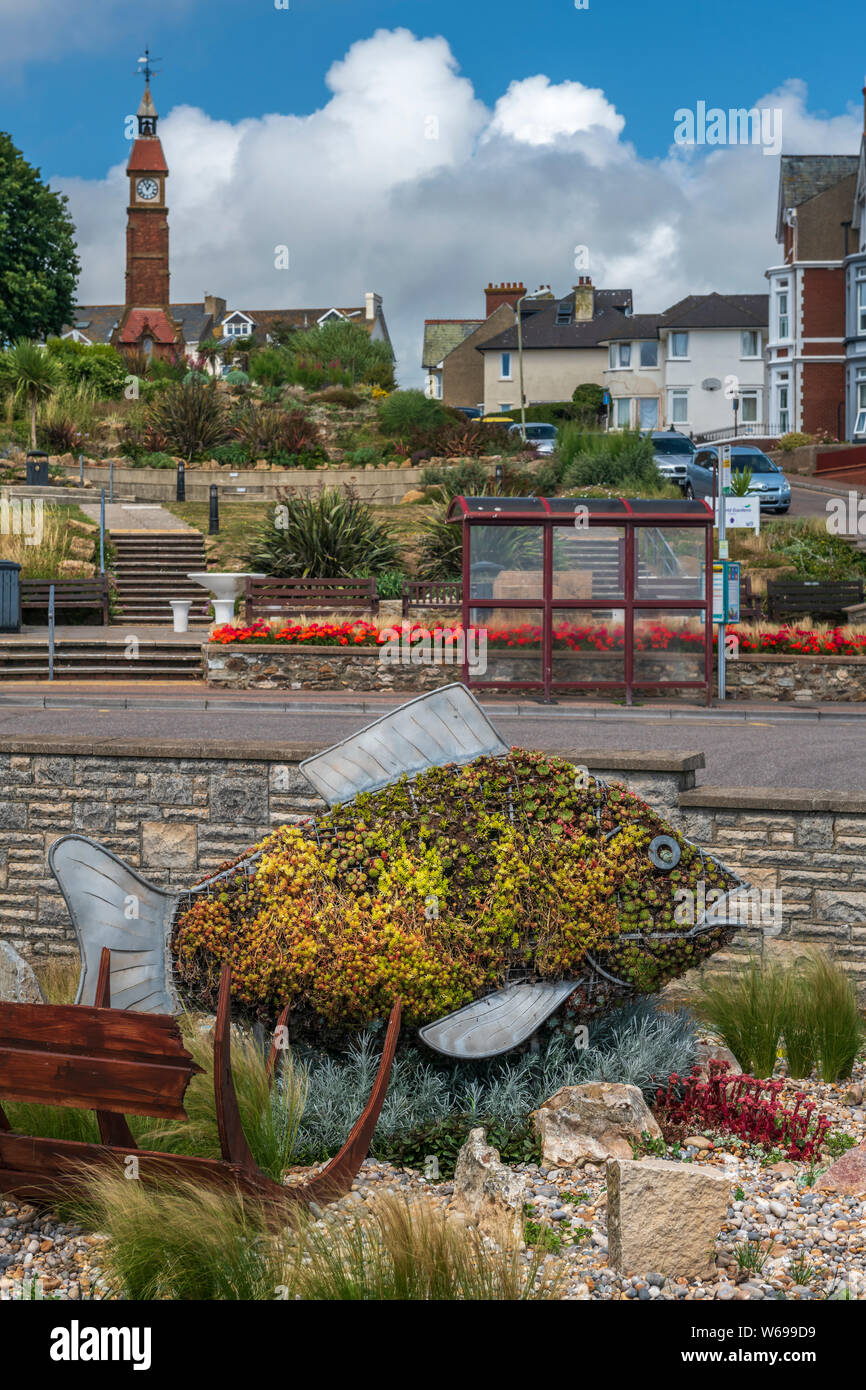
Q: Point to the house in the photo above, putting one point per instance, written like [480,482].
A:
[101,323]
[451,359]
[561,346]
[806,352]
[261,324]
[855,306]
[686,367]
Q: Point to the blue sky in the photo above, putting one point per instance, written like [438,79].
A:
[309,127]
[239,58]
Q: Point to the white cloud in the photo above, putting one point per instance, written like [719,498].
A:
[405,183]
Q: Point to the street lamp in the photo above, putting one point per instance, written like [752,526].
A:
[517,309]
[736,402]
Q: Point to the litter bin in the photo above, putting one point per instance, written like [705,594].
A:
[36,474]
[10,596]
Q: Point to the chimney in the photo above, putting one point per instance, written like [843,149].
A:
[214,306]
[497,295]
[372,305]
[584,300]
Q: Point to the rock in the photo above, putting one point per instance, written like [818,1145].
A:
[697,1141]
[592,1123]
[664,1216]
[486,1190]
[784,1169]
[413,495]
[847,1175]
[716,1052]
[18,984]
[854,1094]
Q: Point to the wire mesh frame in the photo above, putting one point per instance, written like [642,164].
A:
[630,603]
[513,798]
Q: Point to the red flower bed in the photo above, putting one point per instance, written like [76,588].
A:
[568,635]
[744,1106]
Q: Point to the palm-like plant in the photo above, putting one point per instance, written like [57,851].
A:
[330,535]
[32,375]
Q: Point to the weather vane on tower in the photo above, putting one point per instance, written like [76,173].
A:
[144,67]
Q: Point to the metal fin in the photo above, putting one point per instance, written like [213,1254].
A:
[444,726]
[112,905]
[498,1022]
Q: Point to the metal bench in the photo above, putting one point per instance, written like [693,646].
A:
[267,598]
[117,1062]
[431,593]
[68,593]
[795,599]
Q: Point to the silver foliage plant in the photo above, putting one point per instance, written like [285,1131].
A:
[640,1045]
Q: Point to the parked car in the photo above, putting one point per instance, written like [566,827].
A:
[542,438]
[672,452]
[768,481]
[470,411]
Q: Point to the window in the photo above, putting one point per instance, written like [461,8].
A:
[679,345]
[649,354]
[505,366]
[147,346]
[751,343]
[680,407]
[564,312]
[783,320]
[860,421]
[784,403]
[504,407]
[623,412]
[648,413]
[861,302]
[620,355]
[749,408]
[238,329]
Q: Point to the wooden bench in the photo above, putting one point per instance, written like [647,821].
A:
[117,1062]
[431,593]
[795,599]
[751,608]
[68,593]
[268,598]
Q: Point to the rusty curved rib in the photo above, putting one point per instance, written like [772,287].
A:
[336,1178]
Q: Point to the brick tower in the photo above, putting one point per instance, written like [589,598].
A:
[147,324]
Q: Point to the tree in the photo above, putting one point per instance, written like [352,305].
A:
[340,340]
[589,400]
[209,349]
[39,264]
[32,375]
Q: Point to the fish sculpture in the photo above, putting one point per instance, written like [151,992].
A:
[488,888]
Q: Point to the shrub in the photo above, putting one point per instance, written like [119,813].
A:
[339,395]
[234,455]
[341,923]
[98,367]
[156,461]
[360,457]
[329,535]
[407,413]
[609,459]
[270,366]
[470,478]
[270,433]
[794,440]
[189,417]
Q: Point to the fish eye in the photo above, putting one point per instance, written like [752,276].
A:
[664,852]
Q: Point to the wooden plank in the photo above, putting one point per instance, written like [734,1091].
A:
[83,1028]
[113,1128]
[83,1081]
[233,1141]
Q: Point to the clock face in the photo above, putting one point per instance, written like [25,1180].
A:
[146,189]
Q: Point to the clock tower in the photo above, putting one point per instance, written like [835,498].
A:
[147,324]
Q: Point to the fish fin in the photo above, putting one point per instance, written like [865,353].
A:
[112,905]
[498,1022]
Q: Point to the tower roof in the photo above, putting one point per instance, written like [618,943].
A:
[147,156]
[147,107]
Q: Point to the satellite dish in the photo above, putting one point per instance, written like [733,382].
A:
[711,383]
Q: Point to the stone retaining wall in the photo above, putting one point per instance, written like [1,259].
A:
[383,485]
[177,811]
[800,679]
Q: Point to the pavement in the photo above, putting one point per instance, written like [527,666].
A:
[135,516]
[748,744]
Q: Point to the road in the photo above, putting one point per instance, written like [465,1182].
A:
[758,750]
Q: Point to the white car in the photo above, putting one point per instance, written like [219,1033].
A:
[542,438]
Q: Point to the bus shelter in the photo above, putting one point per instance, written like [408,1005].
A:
[570,593]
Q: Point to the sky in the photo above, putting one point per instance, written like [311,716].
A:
[422,150]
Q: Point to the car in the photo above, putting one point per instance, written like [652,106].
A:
[470,411]
[541,437]
[768,483]
[672,452]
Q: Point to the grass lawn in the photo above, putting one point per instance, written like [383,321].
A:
[240,517]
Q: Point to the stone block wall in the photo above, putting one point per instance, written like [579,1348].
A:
[177,811]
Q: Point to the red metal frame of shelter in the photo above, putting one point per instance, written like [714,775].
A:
[630,516]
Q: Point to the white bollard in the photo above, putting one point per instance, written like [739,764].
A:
[180,608]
